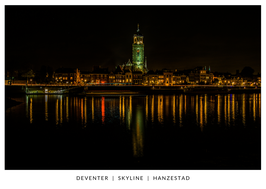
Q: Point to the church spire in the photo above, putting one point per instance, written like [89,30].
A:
[138,28]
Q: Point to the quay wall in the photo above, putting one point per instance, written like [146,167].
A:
[140,89]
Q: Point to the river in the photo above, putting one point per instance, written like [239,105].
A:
[204,131]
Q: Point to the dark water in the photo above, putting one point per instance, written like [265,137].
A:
[203,131]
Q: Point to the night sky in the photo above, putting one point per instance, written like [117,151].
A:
[226,38]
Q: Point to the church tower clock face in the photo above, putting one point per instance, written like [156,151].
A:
[138,52]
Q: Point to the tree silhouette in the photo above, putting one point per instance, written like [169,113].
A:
[247,72]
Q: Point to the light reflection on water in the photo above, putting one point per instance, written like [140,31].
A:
[157,108]
[135,113]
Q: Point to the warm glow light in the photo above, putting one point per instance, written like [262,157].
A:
[46,107]
[67,116]
[254,106]
[92,109]
[81,111]
[180,110]
[103,109]
[197,109]
[31,119]
[61,110]
[152,108]
[243,109]
[56,112]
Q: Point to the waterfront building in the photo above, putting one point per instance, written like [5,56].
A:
[128,76]
[150,78]
[111,77]
[119,75]
[66,75]
[85,77]
[99,75]
[200,75]
[137,78]
[179,79]
[168,78]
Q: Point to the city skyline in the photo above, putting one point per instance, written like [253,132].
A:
[64,36]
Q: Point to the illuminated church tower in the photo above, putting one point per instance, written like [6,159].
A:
[138,52]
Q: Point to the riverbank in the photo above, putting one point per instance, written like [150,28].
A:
[120,90]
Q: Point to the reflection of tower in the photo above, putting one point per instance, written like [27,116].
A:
[138,52]
[138,132]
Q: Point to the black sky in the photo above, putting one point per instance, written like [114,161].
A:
[225,37]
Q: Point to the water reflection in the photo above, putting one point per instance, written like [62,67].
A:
[27,106]
[160,108]
[61,110]
[254,107]
[67,115]
[130,113]
[137,132]
[228,109]
[31,119]
[201,113]
[222,109]
[197,109]
[152,108]
[225,111]
[174,109]
[205,108]
[259,105]
[92,109]
[233,108]
[46,108]
[103,110]
[147,107]
[243,109]
[85,111]
[123,118]
[56,112]
[219,108]
[180,109]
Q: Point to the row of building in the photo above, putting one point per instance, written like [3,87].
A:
[125,76]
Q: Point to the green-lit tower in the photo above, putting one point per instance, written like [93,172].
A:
[138,51]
